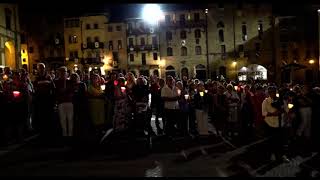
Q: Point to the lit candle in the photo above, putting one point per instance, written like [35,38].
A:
[123,89]
[5,77]
[290,106]
[103,87]
[206,91]
[201,94]
[236,88]
[186,96]
[125,83]
[16,94]
[277,95]
[179,92]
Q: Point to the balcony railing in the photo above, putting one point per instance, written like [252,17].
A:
[92,45]
[184,24]
[149,47]
[140,31]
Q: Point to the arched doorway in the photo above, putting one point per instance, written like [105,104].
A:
[184,72]
[10,55]
[201,72]
[156,72]
[170,71]
[222,72]
[257,72]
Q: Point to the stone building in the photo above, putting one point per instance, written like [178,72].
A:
[240,39]
[10,54]
[143,47]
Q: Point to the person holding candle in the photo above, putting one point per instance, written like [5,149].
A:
[169,94]
[182,122]
[96,103]
[64,94]
[201,101]
[233,103]
[120,118]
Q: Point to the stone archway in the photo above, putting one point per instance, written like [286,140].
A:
[10,57]
[184,72]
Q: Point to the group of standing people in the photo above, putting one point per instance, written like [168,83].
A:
[88,104]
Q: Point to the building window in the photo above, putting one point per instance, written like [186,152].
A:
[23,39]
[88,26]
[76,54]
[198,50]
[223,49]
[89,40]
[96,26]
[110,29]
[8,14]
[169,51]
[96,39]
[184,51]
[119,44]
[220,24]
[110,45]
[258,47]
[182,18]
[130,41]
[154,40]
[197,33]
[221,36]
[244,32]
[143,59]
[183,34]
[196,16]
[260,30]
[73,39]
[167,19]
[241,48]
[169,35]
[118,28]
[142,41]
[197,41]
[155,56]
[131,57]
[30,49]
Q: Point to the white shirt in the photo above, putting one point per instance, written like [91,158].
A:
[272,121]
[169,93]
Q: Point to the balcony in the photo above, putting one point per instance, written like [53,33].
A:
[148,47]
[92,45]
[141,31]
[93,61]
[184,24]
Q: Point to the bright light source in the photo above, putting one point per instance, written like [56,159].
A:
[90,69]
[290,106]
[206,11]
[318,10]
[152,13]
[311,61]
[75,65]
[234,63]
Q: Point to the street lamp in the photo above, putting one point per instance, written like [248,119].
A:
[208,68]
[152,14]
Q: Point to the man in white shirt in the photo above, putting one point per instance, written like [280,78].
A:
[271,113]
[170,96]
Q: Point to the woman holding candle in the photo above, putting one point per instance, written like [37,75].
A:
[233,103]
[201,109]
[120,120]
[96,102]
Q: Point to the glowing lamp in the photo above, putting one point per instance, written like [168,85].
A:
[16,94]
[311,61]
[152,13]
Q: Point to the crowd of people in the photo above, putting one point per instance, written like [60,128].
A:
[82,104]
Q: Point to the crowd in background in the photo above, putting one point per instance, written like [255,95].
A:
[81,105]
